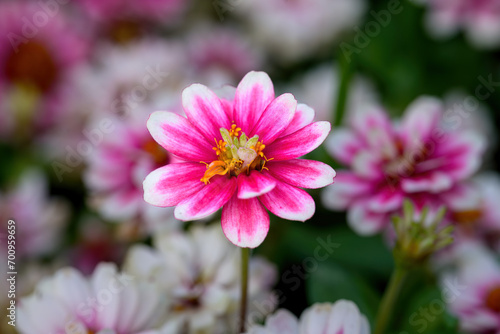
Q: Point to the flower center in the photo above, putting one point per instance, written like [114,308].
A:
[124,31]
[493,300]
[33,65]
[236,154]
[466,217]
[159,155]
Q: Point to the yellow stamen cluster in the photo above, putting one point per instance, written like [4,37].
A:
[236,154]
[234,131]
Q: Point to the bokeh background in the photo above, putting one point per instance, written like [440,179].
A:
[70,70]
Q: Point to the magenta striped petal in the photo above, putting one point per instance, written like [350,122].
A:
[343,145]
[205,111]
[288,202]
[420,122]
[302,173]
[348,187]
[304,115]
[366,222]
[171,184]
[179,137]
[298,143]
[207,200]
[245,222]
[255,184]
[275,119]
[253,95]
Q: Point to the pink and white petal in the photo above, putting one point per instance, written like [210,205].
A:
[245,222]
[489,186]
[171,184]
[255,184]
[289,202]
[344,318]
[121,205]
[348,188]
[298,143]
[207,200]
[364,121]
[367,164]
[343,145]
[275,119]
[253,95]
[461,154]
[204,111]
[433,182]
[315,319]
[366,222]
[420,122]
[387,199]
[283,321]
[374,130]
[302,173]
[175,134]
[463,197]
[226,95]
[304,115]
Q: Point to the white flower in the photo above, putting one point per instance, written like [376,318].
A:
[106,303]
[341,317]
[200,273]
[293,30]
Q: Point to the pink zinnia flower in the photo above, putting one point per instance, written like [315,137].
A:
[479,18]
[220,56]
[475,298]
[40,219]
[253,165]
[116,169]
[36,59]
[415,159]
[475,211]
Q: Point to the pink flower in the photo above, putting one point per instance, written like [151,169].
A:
[475,209]
[415,159]
[479,18]
[338,318]
[253,165]
[36,58]
[116,169]
[221,56]
[112,11]
[476,286]
[40,219]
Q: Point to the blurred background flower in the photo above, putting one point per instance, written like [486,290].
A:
[79,79]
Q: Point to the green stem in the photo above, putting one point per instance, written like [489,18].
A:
[245,256]
[345,74]
[391,294]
